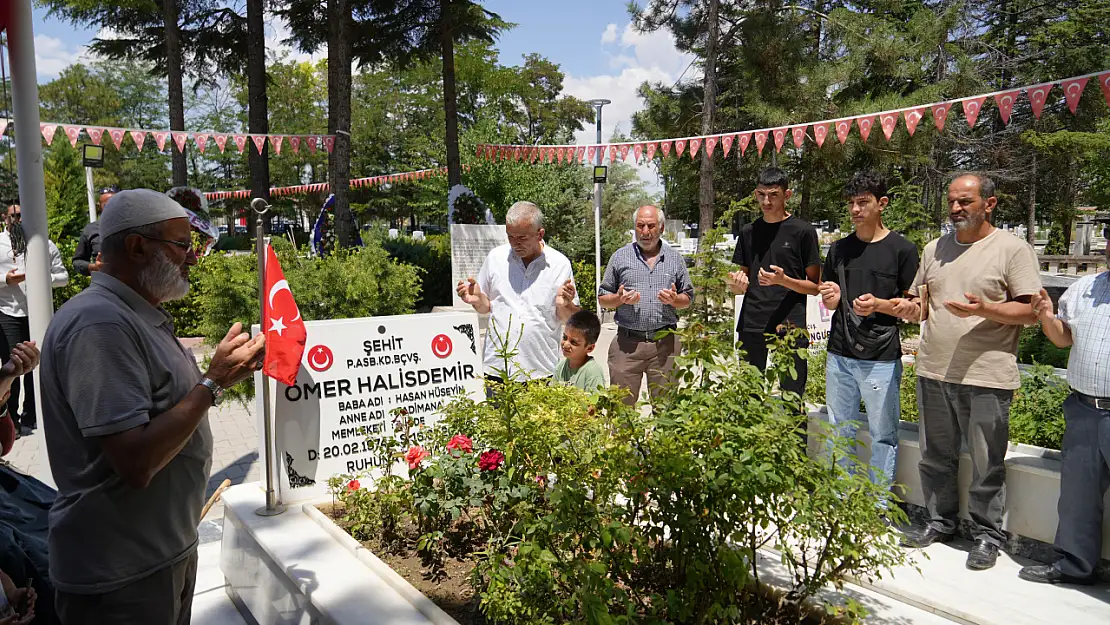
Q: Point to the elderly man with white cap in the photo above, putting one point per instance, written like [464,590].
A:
[125,413]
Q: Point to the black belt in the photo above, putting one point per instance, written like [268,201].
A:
[645,335]
[1098,403]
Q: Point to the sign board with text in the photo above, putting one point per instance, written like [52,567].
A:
[354,374]
[470,244]
[818,321]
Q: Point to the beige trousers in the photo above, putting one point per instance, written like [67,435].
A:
[631,358]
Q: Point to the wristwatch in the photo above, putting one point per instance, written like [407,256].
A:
[216,389]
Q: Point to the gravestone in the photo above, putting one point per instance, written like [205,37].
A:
[470,244]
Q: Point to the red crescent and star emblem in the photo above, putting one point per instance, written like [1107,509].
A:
[320,358]
[441,346]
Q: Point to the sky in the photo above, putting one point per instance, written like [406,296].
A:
[591,40]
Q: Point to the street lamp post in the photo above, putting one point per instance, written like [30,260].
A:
[597,104]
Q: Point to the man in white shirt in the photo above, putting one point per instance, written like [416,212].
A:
[527,288]
[14,327]
[1083,322]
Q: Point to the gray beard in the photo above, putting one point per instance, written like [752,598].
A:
[971,223]
[162,279]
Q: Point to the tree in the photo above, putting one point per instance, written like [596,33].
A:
[412,30]
[175,38]
[258,121]
[697,27]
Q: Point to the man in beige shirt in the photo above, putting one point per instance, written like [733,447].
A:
[979,284]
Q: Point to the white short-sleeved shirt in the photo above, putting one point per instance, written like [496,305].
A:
[522,308]
[1085,308]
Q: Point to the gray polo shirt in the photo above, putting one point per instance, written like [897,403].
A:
[110,363]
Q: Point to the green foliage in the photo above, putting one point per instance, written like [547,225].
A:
[77,282]
[713,304]
[362,282]
[815,380]
[585,278]
[594,511]
[1037,410]
[907,398]
[433,257]
[67,202]
[1034,347]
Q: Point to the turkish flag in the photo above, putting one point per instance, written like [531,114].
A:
[285,331]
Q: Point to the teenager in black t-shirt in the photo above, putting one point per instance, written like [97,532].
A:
[863,272]
[783,253]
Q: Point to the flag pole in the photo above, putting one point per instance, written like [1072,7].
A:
[272,507]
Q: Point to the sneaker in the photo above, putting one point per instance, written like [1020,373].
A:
[26,430]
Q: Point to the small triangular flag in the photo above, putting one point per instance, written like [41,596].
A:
[760,141]
[888,121]
[1073,90]
[780,138]
[799,134]
[820,131]
[1005,102]
[913,118]
[139,138]
[972,107]
[940,115]
[865,124]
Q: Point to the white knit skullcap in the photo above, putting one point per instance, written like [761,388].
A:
[137,207]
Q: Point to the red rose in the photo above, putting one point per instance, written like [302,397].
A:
[460,442]
[491,460]
[353,485]
[416,454]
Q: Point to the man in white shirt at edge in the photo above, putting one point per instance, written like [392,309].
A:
[14,325]
[527,288]
[1083,322]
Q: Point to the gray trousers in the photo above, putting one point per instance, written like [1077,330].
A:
[949,414]
[164,598]
[1084,477]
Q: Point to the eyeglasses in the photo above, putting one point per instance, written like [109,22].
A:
[186,246]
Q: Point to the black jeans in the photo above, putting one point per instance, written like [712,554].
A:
[16,330]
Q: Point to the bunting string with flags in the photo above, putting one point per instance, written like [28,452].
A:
[325,187]
[816,131]
[180,138]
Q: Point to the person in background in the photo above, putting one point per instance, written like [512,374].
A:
[527,288]
[647,283]
[783,251]
[86,258]
[1083,323]
[128,437]
[980,283]
[14,324]
[578,368]
[863,273]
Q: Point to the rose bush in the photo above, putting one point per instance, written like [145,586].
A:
[577,508]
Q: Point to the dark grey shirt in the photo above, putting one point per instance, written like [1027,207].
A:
[111,362]
[627,267]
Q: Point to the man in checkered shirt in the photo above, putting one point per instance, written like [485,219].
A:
[645,281]
[1083,323]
